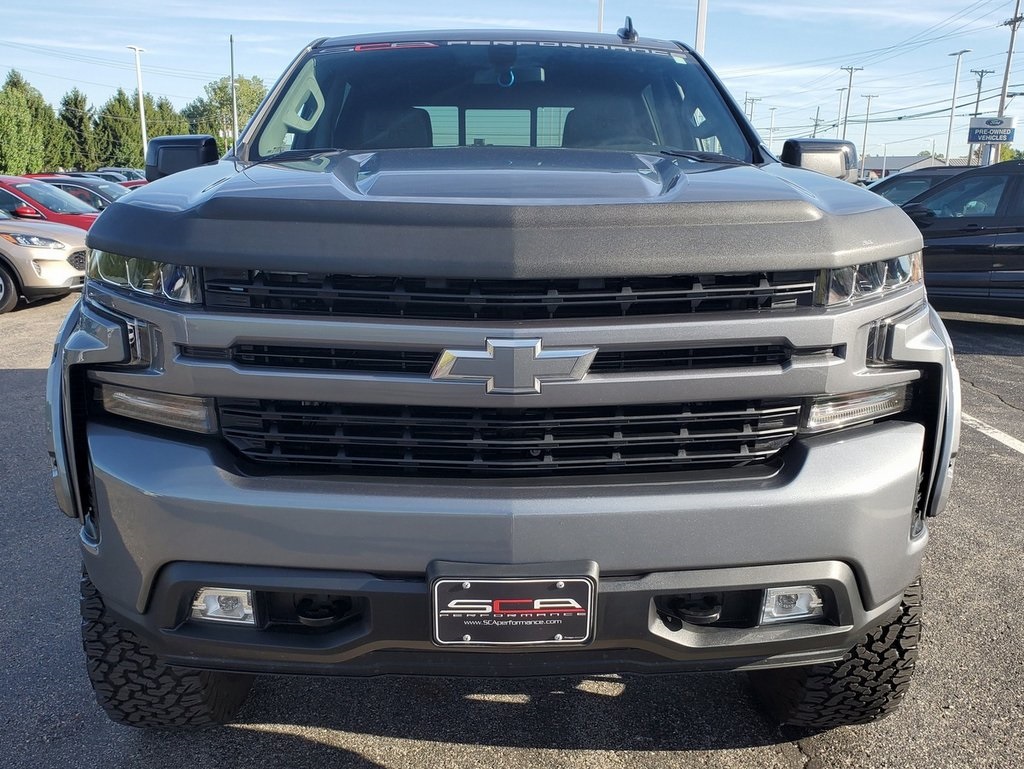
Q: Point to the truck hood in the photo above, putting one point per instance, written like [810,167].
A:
[504,213]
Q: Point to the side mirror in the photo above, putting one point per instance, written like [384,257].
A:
[26,212]
[167,155]
[832,157]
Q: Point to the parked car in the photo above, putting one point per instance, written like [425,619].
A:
[25,198]
[901,187]
[110,176]
[973,228]
[97,193]
[38,260]
[131,174]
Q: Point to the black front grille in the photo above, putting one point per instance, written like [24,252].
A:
[458,442]
[294,357]
[327,295]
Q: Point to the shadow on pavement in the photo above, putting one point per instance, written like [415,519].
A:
[708,711]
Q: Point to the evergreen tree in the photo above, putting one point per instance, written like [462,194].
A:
[163,119]
[28,153]
[118,134]
[77,115]
[18,151]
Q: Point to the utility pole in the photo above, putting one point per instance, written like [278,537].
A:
[234,98]
[753,100]
[864,146]
[839,115]
[702,26]
[142,102]
[849,88]
[952,107]
[1013,24]
[771,129]
[817,122]
[977,107]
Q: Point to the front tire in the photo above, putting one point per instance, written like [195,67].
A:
[136,688]
[8,291]
[866,685]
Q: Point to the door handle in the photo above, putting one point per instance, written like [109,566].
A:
[971,228]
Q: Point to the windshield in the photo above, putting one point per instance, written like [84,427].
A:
[54,199]
[112,191]
[470,94]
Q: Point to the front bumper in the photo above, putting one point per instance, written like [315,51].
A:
[390,632]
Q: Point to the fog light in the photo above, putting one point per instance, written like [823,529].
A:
[788,604]
[223,604]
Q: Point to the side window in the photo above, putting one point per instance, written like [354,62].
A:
[9,202]
[900,192]
[978,196]
[86,196]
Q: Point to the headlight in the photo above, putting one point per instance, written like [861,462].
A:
[31,241]
[869,281]
[144,276]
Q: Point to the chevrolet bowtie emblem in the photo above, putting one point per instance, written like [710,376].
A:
[514,366]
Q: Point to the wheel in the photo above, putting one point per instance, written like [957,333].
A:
[867,684]
[136,688]
[8,291]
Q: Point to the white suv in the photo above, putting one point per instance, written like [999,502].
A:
[38,260]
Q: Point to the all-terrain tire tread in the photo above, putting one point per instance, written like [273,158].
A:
[866,685]
[136,688]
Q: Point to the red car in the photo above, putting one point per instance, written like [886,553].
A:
[34,200]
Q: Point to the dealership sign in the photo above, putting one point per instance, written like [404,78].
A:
[991,130]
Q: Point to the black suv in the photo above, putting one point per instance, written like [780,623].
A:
[973,227]
[902,187]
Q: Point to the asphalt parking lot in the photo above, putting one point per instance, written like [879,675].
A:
[965,709]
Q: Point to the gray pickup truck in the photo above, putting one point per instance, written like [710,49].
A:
[501,353]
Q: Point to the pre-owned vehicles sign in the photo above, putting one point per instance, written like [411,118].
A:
[991,130]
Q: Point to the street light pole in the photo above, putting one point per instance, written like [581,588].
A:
[142,103]
[600,15]
[702,26]
[864,146]
[952,107]
[849,88]
[771,129]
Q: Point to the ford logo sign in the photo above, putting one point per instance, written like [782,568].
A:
[994,122]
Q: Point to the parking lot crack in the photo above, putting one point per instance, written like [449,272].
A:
[995,395]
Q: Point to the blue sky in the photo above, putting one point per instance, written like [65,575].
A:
[788,54]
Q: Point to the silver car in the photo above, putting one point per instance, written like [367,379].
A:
[38,260]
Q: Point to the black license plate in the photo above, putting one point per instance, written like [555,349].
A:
[513,611]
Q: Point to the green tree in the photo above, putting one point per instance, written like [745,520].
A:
[29,156]
[118,134]
[53,135]
[212,113]
[162,119]
[20,149]
[78,116]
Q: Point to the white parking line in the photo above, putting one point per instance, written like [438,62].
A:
[992,432]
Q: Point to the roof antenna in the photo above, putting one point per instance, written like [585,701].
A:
[628,32]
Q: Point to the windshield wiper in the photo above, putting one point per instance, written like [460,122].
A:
[305,154]
[702,156]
